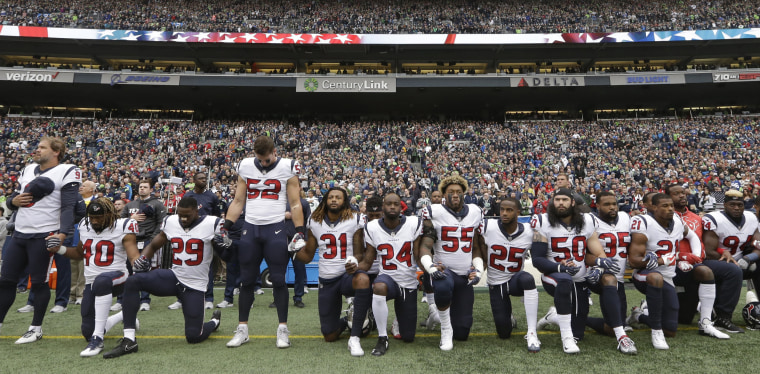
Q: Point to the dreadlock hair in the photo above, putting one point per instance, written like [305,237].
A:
[321,211]
[576,222]
[102,206]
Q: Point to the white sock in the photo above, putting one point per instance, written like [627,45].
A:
[102,308]
[619,332]
[35,328]
[244,327]
[430,298]
[129,334]
[216,322]
[707,297]
[445,319]
[565,330]
[380,309]
[531,309]
[113,320]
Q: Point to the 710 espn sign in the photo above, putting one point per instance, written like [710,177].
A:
[14,75]
[735,77]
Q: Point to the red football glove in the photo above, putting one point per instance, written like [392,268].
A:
[690,258]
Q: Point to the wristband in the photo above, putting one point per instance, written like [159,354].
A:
[228,224]
[301,230]
[62,251]
[427,263]
[477,262]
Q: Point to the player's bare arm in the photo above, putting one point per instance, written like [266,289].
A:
[594,250]
[238,203]
[637,250]
[369,257]
[74,253]
[426,245]
[154,245]
[294,198]
[130,245]
[711,241]
[307,253]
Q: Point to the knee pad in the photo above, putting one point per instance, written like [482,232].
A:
[278,280]
[407,339]
[461,334]
[193,335]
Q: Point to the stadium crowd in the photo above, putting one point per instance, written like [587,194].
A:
[403,17]
[520,158]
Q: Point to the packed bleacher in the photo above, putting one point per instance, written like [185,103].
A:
[518,158]
[382,17]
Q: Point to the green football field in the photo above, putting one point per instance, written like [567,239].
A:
[162,347]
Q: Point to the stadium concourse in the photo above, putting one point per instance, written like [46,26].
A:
[383,17]
[520,158]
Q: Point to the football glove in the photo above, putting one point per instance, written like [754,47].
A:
[746,261]
[669,259]
[572,270]
[593,275]
[223,240]
[141,265]
[476,279]
[743,264]
[651,261]
[685,266]
[436,273]
[608,264]
[692,259]
[53,242]
[297,243]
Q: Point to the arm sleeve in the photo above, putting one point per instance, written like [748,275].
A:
[69,197]
[694,243]
[538,253]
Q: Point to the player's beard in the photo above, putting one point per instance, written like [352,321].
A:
[331,210]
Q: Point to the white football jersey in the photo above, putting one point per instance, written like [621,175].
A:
[44,216]
[266,189]
[660,241]
[375,268]
[730,236]
[335,242]
[192,249]
[104,252]
[564,242]
[506,251]
[455,233]
[615,238]
[394,248]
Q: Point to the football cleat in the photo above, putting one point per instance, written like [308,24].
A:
[95,347]
[658,340]
[116,307]
[627,328]
[394,329]
[217,315]
[355,347]
[30,336]
[381,347]
[447,339]
[283,337]
[224,304]
[126,346]
[706,328]
[513,320]
[240,337]
[257,292]
[208,305]
[644,307]
[175,305]
[299,304]
[569,345]
[59,309]
[626,346]
[144,307]
[534,345]
[726,325]
[26,309]
[547,319]
[634,316]
[433,317]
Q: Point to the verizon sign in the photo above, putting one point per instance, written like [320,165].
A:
[16,75]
